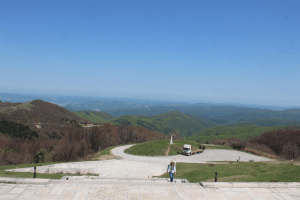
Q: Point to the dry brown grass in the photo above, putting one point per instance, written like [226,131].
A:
[260,153]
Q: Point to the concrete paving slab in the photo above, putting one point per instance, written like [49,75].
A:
[8,196]
[26,194]
[171,191]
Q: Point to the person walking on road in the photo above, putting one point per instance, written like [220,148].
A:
[172,170]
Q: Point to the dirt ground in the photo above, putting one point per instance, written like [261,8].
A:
[109,156]
[167,152]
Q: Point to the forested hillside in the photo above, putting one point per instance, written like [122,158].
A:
[17,130]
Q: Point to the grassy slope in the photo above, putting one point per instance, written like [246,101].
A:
[152,148]
[95,116]
[223,132]
[239,172]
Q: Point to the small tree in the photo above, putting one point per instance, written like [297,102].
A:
[290,151]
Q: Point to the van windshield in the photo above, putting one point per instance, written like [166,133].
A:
[186,149]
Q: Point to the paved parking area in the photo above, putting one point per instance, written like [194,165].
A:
[139,166]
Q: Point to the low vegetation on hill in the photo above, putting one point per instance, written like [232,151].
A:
[223,132]
[91,116]
[279,143]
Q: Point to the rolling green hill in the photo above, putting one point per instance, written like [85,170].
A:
[223,132]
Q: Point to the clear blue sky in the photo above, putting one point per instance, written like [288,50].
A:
[241,51]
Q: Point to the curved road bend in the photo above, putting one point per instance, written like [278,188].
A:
[206,156]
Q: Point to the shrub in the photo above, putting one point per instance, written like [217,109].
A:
[290,151]
[238,145]
[284,142]
[39,156]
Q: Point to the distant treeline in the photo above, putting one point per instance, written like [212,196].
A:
[75,144]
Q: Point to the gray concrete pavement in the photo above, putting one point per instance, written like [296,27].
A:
[136,191]
[105,168]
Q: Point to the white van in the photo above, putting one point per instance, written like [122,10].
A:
[187,149]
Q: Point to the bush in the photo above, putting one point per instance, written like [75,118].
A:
[290,151]
[239,145]
[284,142]
[39,156]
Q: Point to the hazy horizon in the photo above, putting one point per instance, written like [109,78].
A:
[153,100]
[230,52]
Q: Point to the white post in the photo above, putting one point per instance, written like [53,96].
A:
[171,142]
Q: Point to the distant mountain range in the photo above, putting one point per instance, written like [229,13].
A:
[222,115]
[161,116]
